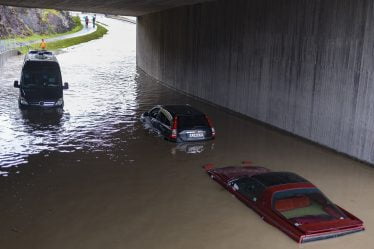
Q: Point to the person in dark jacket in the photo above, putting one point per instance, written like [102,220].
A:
[94,21]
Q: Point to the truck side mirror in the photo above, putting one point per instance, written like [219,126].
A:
[16,84]
[66,86]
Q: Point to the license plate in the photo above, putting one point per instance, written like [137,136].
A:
[196,135]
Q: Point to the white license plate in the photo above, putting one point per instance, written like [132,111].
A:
[196,135]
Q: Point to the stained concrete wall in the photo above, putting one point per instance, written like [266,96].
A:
[305,66]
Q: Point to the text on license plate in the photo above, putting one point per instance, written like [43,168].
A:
[196,134]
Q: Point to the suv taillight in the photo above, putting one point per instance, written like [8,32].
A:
[211,126]
[173,134]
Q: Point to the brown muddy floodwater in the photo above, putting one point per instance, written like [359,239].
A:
[91,177]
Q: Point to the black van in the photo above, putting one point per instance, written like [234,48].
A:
[41,82]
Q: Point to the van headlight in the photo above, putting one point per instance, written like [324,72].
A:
[23,101]
[59,102]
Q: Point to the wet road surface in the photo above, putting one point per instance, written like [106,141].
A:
[93,177]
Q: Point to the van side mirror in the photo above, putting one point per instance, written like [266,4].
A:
[16,84]
[66,86]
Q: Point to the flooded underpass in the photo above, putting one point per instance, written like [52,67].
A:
[91,176]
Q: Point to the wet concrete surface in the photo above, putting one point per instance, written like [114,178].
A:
[93,177]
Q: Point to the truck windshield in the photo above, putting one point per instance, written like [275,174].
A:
[37,74]
[303,206]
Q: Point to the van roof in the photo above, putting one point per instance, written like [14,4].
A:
[36,55]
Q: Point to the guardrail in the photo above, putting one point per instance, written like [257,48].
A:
[121,18]
[8,48]
[11,44]
[6,45]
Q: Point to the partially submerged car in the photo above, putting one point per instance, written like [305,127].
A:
[41,81]
[287,201]
[179,123]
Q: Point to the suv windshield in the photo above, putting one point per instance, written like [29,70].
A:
[303,206]
[37,74]
[192,121]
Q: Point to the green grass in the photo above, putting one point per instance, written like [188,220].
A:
[48,12]
[78,27]
[100,32]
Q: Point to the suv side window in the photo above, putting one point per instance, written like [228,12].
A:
[163,119]
[154,112]
[249,187]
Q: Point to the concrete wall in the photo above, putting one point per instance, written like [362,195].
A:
[5,55]
[305,66]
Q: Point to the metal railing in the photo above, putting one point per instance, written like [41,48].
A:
[122,18]
[6,45]
[10,44]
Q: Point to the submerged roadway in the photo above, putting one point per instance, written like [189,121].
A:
[92,177]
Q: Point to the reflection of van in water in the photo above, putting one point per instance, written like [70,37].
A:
[41,82]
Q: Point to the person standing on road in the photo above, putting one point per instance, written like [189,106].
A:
[94,20]
[43,45]
[86,19]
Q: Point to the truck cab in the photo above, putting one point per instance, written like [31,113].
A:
[41,82]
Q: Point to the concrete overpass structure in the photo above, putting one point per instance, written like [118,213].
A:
[121,7]
[304,66]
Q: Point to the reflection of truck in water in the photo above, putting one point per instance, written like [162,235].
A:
[41,82]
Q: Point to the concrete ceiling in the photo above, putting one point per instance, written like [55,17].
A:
[119,7]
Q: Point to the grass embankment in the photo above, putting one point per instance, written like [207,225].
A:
[100,32]
[77,27]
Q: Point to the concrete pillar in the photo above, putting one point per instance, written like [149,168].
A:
[304,66]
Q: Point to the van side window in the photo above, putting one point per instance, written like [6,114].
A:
[163,119]
[249,187]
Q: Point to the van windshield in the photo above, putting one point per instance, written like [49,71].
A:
[303,206]
[37,74]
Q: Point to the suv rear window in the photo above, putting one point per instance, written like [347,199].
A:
[192,121]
